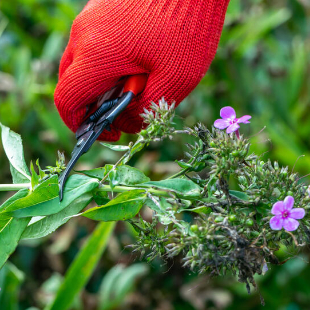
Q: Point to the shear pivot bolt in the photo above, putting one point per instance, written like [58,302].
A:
[80,142]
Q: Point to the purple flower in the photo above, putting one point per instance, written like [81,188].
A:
[285,215]
[230,121]
[265,268]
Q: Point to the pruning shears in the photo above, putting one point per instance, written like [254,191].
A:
[100,120]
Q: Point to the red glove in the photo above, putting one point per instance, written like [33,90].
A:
[173,41]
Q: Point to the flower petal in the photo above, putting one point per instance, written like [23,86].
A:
[276,222]
[232,128]
[277,208]
[288,202]
[244,119]
[297,213]
[290,224]
[264,269]
[221,123]
[228,113]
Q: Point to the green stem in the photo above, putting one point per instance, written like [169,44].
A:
[13,187]
[184,170]
[181,172]
[155,192]
[122,189]
[169,194]
[133,148]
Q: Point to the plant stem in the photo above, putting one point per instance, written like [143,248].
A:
[171,194]
[153,191]
[122,189]
[13,187]
[181,172]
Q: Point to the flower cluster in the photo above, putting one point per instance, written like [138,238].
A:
[285,216]
[231,230]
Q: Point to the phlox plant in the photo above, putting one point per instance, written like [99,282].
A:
[225,229]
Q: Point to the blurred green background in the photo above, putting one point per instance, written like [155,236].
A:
[262,68]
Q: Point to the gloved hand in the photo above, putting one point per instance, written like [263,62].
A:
[173,41]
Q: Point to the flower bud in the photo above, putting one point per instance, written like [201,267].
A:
[232,218]
[194,228]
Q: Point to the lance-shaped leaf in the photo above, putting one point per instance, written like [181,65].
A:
[82,267]
[182,187]
[4,220]
[44,200]
[42,226]
[13,147]
[117,283]
[34,177]
[125,175]
[42,174]
[239,195]
[45,191]
[10,228]
[125,206]
[9,237]
[199,210]
[117,148]
[98,173]
[10,281]
[20,194]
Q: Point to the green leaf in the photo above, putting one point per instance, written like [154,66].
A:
[246,211]
[101,198]
[50,287]
[44,200]
[42,226]
[200,210]
[239,195]
[244,36]
[10,281]
[154,206]
[4,220]
[10,229]
[9,237]
[117,148]
[180,186]
[20,194]
[34,177]
[126,281]
[13,147]
[121,208]
[108,287]
[263,209]
[46,191]
[53,47]
[42,174]
[82,267]
[183,164]
[118,282]
[160,207]
[98,173]
[113,179]
[125,175]
[130,176]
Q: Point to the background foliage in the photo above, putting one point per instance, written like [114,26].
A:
[262,68]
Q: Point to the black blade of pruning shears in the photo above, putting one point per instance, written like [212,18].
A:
[96,123]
